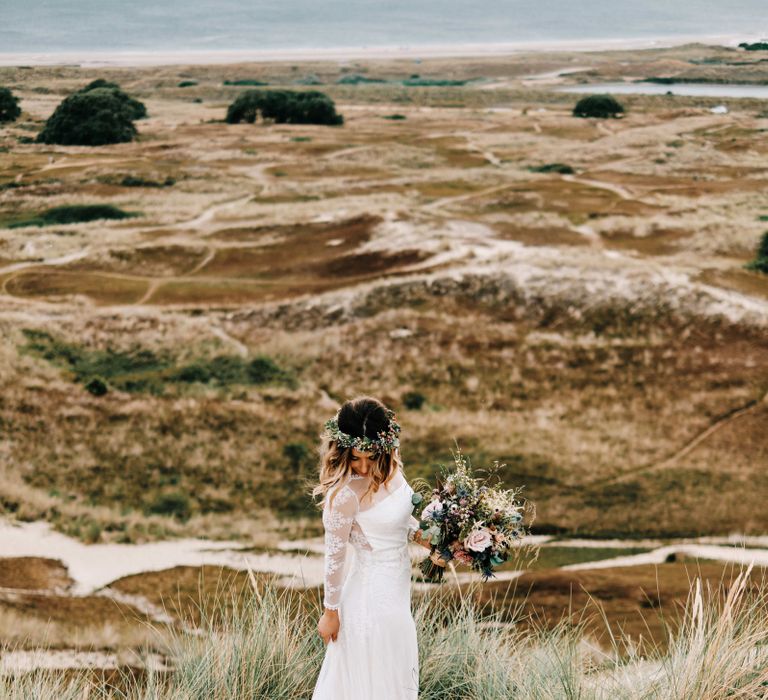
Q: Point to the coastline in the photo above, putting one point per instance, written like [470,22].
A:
[94,59]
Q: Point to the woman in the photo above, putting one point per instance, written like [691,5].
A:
[367,625]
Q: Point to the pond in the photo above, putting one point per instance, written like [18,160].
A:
[729,90]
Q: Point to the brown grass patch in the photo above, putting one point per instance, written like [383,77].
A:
[189,592]
[154,261]
[658,242]
[738,279]
[548,236]
[33,573]
[635,600]
[564,197]
[101,289]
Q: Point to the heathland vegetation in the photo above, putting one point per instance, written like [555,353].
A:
[493,273]
[570,297]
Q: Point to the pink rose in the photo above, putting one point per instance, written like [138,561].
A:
[432,507]
[478,540]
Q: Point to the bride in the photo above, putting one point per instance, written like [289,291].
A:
[367,624]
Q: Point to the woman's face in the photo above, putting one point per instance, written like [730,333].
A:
[362,462]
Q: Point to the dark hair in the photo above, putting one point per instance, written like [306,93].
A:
[363,416]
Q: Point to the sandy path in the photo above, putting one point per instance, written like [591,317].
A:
[300,563]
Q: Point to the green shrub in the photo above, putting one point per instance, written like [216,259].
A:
[756,46]
[762,249]
[73,214]
[600,106]
[136,108]
[100,83]
[247,81]
[297,454]
[132,181]
[355,79]
[263,369]
[143,371]
[175,504]
[394,117]
[284,107]
[560,168]
[308,80]
[97,386]
[416,81]
[9,106]
[413,400]
[196,372]
[93,118]
[760,263]
[187,83]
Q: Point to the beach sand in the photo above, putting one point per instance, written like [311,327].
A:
[159,58]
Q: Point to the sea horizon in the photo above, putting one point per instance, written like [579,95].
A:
[126,58]
[211,29]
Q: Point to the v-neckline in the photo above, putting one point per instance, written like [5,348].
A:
[383,500]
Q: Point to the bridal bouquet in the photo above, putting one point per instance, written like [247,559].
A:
[468,521]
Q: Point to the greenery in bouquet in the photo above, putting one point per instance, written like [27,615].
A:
[467,520]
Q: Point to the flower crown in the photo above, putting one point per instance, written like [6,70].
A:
[386,440]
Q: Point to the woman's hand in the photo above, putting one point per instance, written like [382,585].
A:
[437,559]
[329,624]
[417,539]
[435,556]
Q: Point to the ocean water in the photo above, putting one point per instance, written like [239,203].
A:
[48,26]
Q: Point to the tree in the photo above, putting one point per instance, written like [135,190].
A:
[138,109]
[9,106]
[91,118]
[284,107]
[100,83]
[600,106]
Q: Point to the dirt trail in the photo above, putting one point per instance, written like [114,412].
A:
[623,192]
[689,446]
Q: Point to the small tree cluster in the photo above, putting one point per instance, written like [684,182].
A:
[284,107]
[98,114]
[600,106]
[9,106]
[756,46]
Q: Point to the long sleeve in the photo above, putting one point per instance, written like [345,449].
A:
[413,525]
[337,521]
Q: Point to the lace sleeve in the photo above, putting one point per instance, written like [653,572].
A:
[413,525]
[337,521]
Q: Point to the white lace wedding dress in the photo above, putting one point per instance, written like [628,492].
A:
[375,655]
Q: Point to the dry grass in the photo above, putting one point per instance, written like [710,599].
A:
[552,323]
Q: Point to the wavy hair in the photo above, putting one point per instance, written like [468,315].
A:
[363,416]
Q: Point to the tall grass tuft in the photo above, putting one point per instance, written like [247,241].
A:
[722,647]
[262,643]
[253,646]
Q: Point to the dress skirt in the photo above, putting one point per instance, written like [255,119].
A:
[375,655]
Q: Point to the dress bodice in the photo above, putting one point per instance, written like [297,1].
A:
[386,523]
[378,525]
